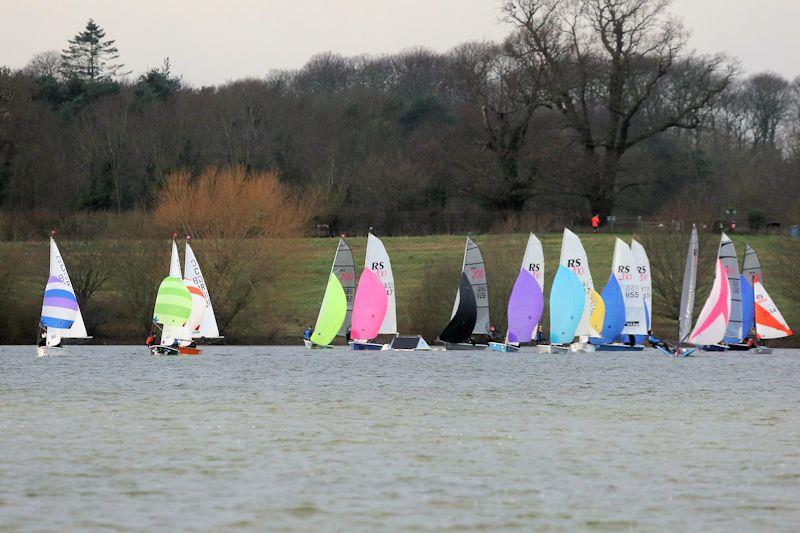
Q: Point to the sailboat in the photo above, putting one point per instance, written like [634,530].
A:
[378,264]
[767,320]
[525,306]
[688,290]
[645,284]
[459,330]
[533,262]
[573,258]
[473,268]
[733,331]
[61,316]
[567,302]
[369,311]
[623,287]
[202,322]
[173,311]
[337,306]
[712,324]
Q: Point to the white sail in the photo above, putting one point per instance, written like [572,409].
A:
[751,265]
[689,288]
[208,325]
[644,277]
[713,319]
[727,254]
[574,257]
[533,262]
[174,262]
[59,270]
[770,323]
[474,268]
[377,260]
[625,270]
[344,269]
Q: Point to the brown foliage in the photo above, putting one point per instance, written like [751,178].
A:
[229,203]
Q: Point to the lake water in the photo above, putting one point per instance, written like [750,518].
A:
[283,438]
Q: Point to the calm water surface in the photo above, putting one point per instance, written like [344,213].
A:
[257,437]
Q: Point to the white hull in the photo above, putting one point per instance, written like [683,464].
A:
[45,351]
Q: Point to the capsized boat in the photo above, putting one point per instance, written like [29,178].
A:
[173,309]
[525,306]
[61,316]
[458,331]
[336,309]
[623,287]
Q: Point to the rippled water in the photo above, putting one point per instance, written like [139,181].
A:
[285,438]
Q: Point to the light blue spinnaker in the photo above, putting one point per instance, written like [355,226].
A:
[567,299]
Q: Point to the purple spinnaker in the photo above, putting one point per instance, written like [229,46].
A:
[525,306]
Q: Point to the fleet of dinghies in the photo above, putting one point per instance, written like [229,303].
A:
[738,313]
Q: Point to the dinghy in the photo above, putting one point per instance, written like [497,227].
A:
[474,268]
[61,316]
[458,331]
[686,310]
[533,262]
[624,283]
[525,306]
[734,333]
[206,328]
[714,317]
[173,310]
[337,308]
[645,284]
[767,320]
[574,259]
[567,302]
[369,311]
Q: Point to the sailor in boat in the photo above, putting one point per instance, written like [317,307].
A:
[539,335]
[53,342]
[307,333]
[493,336]
[347,335]
[655,342]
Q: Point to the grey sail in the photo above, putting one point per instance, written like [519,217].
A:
[475,270]
[344,269]
[730,262]
[751,265]
[688,290]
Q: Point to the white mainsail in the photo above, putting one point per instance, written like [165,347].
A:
[208,325]
[727,254]
[533,262]
[573,257]
[689,288]
[474,268]
[645,278]
[377,260]
[344,269]
[174,261]
[59,270]
[626,271]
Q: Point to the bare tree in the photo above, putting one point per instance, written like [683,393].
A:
[607,61]
[44,64]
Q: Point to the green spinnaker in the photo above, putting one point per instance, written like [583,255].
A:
[173,303]
[331,314]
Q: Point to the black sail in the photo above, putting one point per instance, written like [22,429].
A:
[463,322]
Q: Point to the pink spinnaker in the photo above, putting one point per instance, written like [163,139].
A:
[369,307]
[713,319]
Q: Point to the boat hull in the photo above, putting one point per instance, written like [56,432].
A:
[47,351]
[464,347]
[313,346]
[554,348]
[684,352]
[617,348]
[503,348]
[739,347]
[163,350]
[366,346]
[714,348]
[762,350]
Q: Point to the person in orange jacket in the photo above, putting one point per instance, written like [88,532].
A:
[596,223]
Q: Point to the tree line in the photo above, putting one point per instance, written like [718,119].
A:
[587,106]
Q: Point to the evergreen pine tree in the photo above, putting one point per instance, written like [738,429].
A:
[91,57]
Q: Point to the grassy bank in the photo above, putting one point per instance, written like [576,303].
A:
[426,273]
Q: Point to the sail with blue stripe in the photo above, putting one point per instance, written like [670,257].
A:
[61,314]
